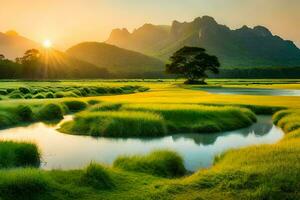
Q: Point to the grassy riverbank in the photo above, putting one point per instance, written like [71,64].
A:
[145,120]
[13,154]
[258,172]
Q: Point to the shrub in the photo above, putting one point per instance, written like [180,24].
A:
[10,90]
[50,112]
[83,92]
[116,124]
[97,177]
[106,106]
[279,115]
[49,95]
[102,90]
[39,96]
[24,112]
[3,92]
[6,119]
[14,154]
[75,105]
[24,90]
[59,95]
[115,90]
[28,96]
[93,102]
[142,89]
[16,96]
[23,184]
[65,94]
[159,163]
[76,92]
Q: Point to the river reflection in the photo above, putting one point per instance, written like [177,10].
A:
[198,150]
[252,91]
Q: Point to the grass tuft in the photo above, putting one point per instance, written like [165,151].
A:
[97,176]
[14,154]
[75,105]
[106,106]
[116,124]
[162,163]
[197,118]
[23,184]
[50,112]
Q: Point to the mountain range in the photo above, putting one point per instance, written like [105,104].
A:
[13,45]
[241,47]
[244,52]
[120,62]
[84,60]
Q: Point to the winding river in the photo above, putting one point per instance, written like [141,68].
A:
[62,151]
[251,91]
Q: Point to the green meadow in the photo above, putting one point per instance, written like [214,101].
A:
[152,108]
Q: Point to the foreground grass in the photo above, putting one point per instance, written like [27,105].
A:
[258,172]
[14,154]
[145,120]
[160,163]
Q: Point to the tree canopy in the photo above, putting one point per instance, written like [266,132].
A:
[193,63]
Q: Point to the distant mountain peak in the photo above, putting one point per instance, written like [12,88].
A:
[13,45]
[208,20]
[241,47]
[12,33]
[262,31]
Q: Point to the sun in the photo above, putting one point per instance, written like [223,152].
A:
[47,44]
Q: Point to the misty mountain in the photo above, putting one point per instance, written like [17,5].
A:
[13,45]
[241,47]
[120,62]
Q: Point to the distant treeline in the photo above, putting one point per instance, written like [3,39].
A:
[13,70]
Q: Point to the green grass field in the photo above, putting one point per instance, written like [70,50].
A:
[258,172]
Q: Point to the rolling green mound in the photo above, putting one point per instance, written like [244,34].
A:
[144,120]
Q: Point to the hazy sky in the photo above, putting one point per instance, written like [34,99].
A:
[67,22]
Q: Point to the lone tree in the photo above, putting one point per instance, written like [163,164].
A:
[193,64]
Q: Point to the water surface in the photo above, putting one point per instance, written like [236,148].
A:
[252,91]
[61,151]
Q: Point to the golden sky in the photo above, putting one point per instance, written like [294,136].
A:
[67,22]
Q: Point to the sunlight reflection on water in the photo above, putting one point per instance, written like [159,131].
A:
[61,151]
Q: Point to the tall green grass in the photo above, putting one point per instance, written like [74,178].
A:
[75,105]
[197,118]
[97,176]
[116,124]
[23,184]
[50,112]
[158,163]
[105,106]
[14,154]
[149,120]
[289,122]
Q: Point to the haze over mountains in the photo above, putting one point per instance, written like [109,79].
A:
[244,52]
[13,45]
[241,47]
[120,62]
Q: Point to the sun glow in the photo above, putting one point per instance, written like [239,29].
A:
[47,44]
